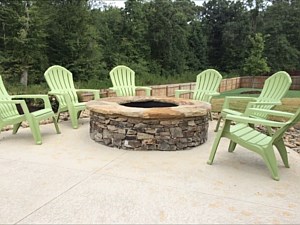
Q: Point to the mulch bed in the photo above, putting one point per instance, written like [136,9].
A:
[250,92]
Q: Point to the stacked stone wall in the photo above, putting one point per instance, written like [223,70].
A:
[148,134]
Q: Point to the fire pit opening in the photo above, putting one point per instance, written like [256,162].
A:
[149,104]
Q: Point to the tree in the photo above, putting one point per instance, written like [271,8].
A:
[197,41]
[109,26]
[72,39]
[255,64]
[234,38]
[22,38]
[281,27]
[134,45]
[256,7]
[168,33]
[226,26]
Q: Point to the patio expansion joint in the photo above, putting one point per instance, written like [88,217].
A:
[67,190]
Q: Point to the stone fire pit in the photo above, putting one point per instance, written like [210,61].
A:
[148,123]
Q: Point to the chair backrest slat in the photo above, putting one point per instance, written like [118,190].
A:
[274,89]
[6,110]
[123,79]
[60,79]
[207,81]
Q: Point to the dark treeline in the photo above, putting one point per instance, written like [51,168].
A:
[153,37]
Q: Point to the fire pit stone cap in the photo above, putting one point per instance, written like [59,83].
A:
[185,108]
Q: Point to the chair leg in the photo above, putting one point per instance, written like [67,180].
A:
[73,117]
[270,132]
[16,127]
[74,122]
[148,92]
[57,115]
[232,146]
[283,153]
[214,147]
[35,129]
[78,114]
[271,162]
[210,116]
[218,123]
[56,125]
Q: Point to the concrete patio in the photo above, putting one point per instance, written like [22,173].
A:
[70,179]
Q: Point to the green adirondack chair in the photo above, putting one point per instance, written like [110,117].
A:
[207,84]
[123,80]
[9,114]
[60,81]
[253,140]
[274,89]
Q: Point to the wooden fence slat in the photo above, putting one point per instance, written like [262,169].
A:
[226,85]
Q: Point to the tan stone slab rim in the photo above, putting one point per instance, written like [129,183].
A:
[185,108]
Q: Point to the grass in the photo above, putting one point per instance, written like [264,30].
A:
[238,92]
[290,103]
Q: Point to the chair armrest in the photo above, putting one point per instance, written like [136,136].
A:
[231,111]
[212,93]
[57,93]
[94,91]
[239,98]
[228,99]
[180,92]
[45,98]
[244,119]
[11,101]
[147,89]
[64,94]
[251,104]
[207,95]
[271,112]
[16,102]
[143,87]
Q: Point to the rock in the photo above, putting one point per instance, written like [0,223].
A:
[144,136]
[132,144]
[290,145]
[164,146]
[191,123]
[176,132]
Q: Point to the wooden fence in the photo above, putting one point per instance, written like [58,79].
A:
[226,85]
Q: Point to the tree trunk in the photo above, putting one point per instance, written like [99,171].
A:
[24,78]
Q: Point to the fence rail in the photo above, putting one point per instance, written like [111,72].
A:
[226,85]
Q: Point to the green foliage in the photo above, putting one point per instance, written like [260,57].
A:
[143,78]
[197,41]
[162,40]
[22,38]
[30,89]
[239,91]
[282,24]
[256,64]
[74,41]
[226,25]
[94,84]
